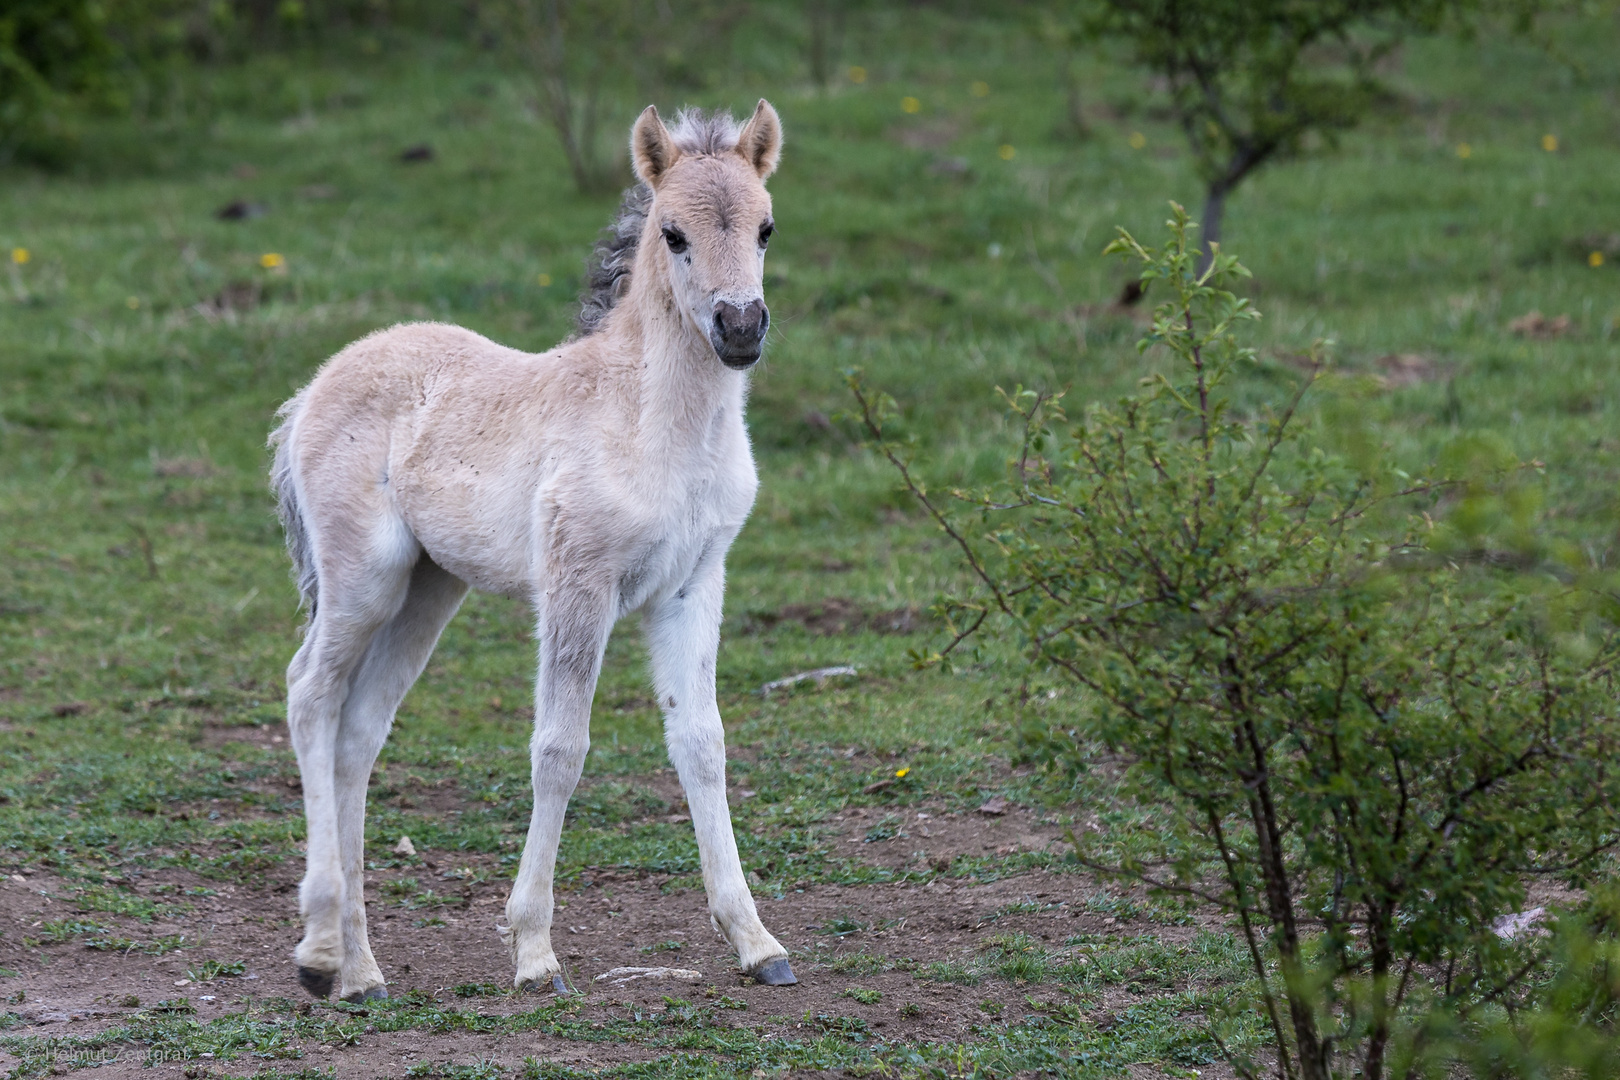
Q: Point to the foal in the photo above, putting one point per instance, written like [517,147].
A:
[606,476]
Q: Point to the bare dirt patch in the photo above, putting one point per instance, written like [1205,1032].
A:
[928,837]
[837,616]
[877,940]
[865,954]
[1538,327]
[1399,370]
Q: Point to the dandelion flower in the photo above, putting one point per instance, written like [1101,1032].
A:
[1137,140]
[857,74]
[1005,152]
[20,255]
[1595,259]
[1465,151]
[545,280]
[900,774]
[1549,143]
[132,302]
[910,105]
[272,261]
[979,88]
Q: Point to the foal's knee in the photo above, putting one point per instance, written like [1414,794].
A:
[698,752]
[559,754]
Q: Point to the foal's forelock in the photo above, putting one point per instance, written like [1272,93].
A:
[607,271]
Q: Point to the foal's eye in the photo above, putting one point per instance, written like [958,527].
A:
[765,232]
[675,239]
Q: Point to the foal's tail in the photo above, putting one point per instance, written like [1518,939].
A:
[285,484]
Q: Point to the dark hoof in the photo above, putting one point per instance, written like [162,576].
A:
[318,983]
[774,973]
[376,993]
[557,987]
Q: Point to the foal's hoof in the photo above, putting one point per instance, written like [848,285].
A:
[360,997]
[318,983]
[774,973]
[557,987]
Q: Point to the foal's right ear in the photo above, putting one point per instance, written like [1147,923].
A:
[651,147]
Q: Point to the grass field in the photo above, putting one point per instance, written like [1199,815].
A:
[150,822]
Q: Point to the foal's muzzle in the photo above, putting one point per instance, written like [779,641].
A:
[738,333]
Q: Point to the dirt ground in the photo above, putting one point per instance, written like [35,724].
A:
[613,921]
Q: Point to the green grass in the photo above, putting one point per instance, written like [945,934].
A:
[145,610]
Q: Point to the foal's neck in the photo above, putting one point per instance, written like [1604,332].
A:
[681,392]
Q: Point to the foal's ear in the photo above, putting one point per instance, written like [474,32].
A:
[651,147]
[760,143]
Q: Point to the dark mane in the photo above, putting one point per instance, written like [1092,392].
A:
[607,271]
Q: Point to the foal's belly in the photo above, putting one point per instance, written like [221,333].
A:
[499,543]
[484,536]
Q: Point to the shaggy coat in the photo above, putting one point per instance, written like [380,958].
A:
[605,476]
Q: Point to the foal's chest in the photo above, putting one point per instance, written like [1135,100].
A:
[673,528]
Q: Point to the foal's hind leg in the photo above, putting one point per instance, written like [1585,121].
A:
[352,607]
[398,652]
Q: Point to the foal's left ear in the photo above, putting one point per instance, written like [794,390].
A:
[760,143]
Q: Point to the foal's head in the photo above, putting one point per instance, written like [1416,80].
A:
[711,219]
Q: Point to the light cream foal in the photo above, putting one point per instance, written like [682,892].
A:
[605,476]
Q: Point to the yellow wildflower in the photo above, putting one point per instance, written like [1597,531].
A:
[132,302]
[271,261]
[910,105]
[979,89]
[1595,259]
[900,774]
[857,74]
[1006,152]
[20,255]
[1465,151]
[1137,140]
[545,280]
[1549,143]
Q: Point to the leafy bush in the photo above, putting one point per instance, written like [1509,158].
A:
[1363,749]
[52,52]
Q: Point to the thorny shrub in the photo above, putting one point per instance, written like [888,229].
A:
[1362,734]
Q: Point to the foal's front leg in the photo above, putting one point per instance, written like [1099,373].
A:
[683,635]
[573,631]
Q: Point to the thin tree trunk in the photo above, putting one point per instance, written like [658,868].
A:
[1247,157]
[1072,98]
[1280,903]
[1378,927]
[1214,213]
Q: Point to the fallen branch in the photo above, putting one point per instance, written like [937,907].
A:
[818,676]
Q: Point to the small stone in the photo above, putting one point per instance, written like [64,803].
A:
[405,847]
[994,806]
